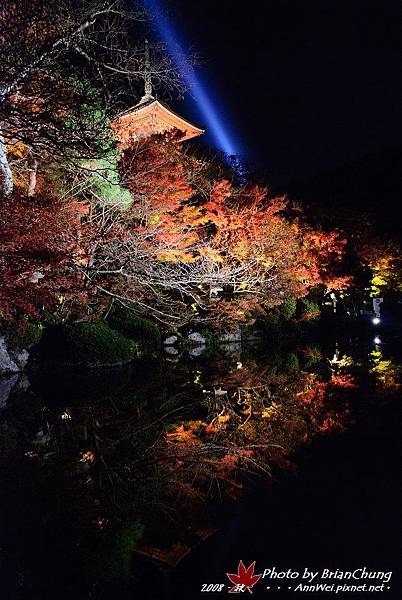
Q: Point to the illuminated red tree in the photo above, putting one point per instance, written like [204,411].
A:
[39,251]
[193,246]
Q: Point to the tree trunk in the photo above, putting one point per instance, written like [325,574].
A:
[6,176]
[33,169]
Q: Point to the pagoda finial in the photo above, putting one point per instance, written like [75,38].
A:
[147,75]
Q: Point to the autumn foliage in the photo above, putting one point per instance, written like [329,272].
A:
[212,245]
[189,246]
[39,245]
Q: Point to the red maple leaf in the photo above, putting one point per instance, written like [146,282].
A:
[244,580]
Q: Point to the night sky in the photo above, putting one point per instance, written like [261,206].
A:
[300,85]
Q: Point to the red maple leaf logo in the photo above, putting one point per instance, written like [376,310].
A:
[244,580]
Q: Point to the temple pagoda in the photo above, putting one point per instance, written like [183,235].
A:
[150,116]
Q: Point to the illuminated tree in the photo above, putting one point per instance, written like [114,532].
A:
[382,260]
[39,246]
[190,246]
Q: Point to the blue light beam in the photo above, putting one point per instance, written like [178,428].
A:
[170,38]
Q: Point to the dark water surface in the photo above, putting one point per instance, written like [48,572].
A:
[287,455]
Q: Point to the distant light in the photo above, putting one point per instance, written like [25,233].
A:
[377,340]
[87,457]
[376,320]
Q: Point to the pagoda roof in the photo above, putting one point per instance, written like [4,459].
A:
[151,106]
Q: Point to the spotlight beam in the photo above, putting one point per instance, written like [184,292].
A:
[170,38]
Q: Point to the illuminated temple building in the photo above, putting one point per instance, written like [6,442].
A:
[150,116]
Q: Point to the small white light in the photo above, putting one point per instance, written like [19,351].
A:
[376,320]
[377,340]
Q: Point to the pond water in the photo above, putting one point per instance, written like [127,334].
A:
[151,480]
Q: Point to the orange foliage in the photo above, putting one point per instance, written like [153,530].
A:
[238,240]
[39,244]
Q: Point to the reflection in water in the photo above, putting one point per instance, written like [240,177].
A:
[133,458]
[387,372]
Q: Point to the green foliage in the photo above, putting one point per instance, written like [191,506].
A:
[136,328]
[278,316]
[288,309]
[94,177]
[269,322]
[311,356]
[120,559]
[291,363]
[95,180]
[98,177]
[307,309]
[100,181]
[210,340]
[87,344]
[86,116]
[27,337]
[111,566]
[279,362]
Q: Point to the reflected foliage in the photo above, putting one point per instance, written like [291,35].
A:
[132,460]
